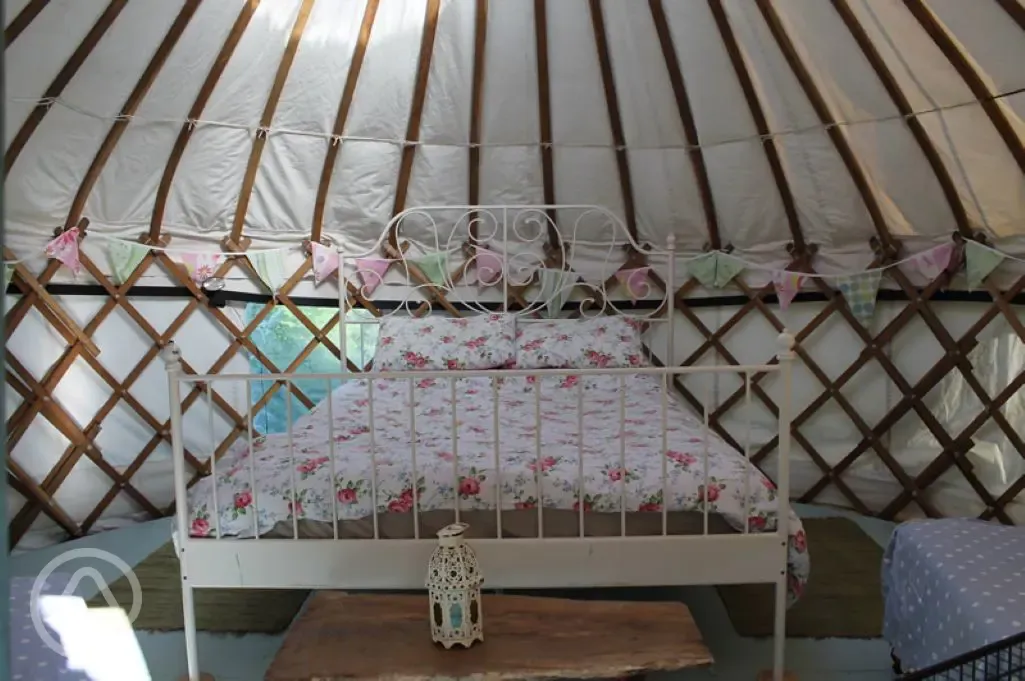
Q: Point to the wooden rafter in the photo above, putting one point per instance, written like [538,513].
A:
[615,120]
[256,151]
[131,105]
[480,41]
[886,77]
[344,104]
[972,79]
[761,124]
[64,76]
[544,99]
[821,108]
[690,128]
[1015,10]
[25,17]
[423,71]
[185,134]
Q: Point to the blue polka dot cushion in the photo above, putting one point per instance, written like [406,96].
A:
[31,658]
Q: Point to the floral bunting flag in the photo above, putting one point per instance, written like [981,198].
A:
[434,266]
[980,261]
[124,257]
[715,269]
[556,286]
[371,272]
[635,281]
[934,262]
[65,249]
[788,284]
[489,266]
[270,267]
[860,291]
[325,261]
[200,266]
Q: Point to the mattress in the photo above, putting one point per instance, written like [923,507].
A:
[532,466]
[951,586]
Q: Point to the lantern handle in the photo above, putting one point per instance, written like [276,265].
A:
[452,534]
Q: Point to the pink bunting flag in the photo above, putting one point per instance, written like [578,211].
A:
[371,272]
[489,266]
[788,284]
[636,281]
[200,266]
[65,249]
[325,261]
[934,262]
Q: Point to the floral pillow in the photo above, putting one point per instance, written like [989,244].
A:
[434,343]
[596,343]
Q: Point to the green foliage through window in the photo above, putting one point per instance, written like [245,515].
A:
[282,337]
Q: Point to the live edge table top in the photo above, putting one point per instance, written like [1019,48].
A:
[352,637]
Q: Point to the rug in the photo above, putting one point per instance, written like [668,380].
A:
[236,611]
[843,597]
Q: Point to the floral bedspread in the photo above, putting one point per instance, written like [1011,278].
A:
[605,474]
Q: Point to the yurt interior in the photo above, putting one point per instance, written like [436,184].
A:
[687,337]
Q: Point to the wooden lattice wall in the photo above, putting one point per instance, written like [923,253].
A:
[37,391]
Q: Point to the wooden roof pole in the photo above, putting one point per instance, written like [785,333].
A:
[480,39]
[544,99]
[761,124]
[344,104]
[889,82]
[74,63]
[973,80]
[615,120]
[22,21]
[1015,9]
[423,71]
[697,159]
[256,152]
[129,108]
[185,134]
[837,136]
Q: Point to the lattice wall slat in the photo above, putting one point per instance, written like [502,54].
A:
[918,316]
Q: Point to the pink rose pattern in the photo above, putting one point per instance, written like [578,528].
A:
[439,485]
[609,342]
[445,343]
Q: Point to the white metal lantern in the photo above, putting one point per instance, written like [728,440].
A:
[453,585]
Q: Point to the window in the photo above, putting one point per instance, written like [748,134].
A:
[282,337]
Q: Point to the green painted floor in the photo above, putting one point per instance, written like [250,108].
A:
[245,658]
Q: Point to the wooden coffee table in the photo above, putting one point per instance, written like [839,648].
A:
[355,637]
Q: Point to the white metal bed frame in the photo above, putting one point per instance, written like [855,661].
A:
[523,236]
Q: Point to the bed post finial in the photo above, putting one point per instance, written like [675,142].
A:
[671,242]
[172,357]
[786,342]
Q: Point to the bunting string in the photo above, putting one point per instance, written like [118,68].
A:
[48,102]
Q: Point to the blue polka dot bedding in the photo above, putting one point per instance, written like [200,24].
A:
[954,596]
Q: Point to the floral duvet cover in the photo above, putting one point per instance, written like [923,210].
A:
[605,473]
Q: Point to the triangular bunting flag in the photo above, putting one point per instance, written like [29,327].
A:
[124,257]
[635,281]
[435,267]
[65,249]
[371,273]
[788,284]
[934,262]
[980,261]
[556,286]
[715,269]
[200,266]
[270,267]
[702,268]
[489,266]
[8,274]
[860,291]
[726,269]
[325,261]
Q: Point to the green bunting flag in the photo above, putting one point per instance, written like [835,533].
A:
[980,262]
[860,292]
[270,267]
[435,267]
[124,257]
[715,269]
